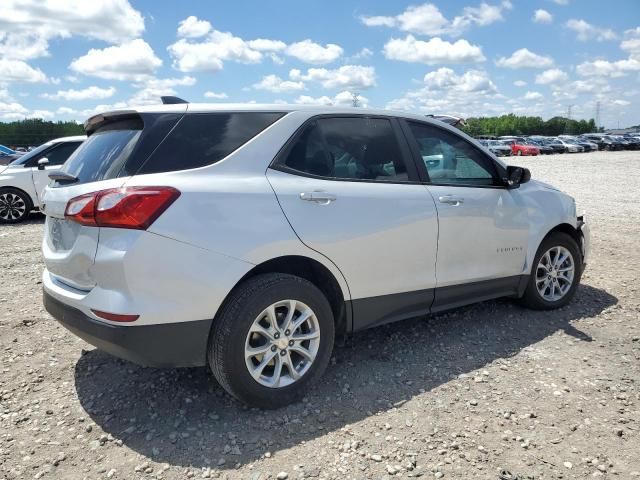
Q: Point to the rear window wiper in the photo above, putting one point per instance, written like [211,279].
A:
[61,177]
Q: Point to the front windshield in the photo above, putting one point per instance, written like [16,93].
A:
[28,156]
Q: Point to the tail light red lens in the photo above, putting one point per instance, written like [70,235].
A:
[115,317]
[129,207]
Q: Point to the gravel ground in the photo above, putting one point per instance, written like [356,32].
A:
[461,395]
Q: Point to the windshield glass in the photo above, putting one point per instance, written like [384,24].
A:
[28,156]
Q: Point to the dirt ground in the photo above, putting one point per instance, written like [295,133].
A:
[461,395]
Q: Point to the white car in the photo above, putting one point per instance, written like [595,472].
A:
[22,182]
[247,237]
[570,147]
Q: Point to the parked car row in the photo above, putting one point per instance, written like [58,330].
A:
[543,145]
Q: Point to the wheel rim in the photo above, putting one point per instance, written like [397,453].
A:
[12,206]
[555,273]
[282,343]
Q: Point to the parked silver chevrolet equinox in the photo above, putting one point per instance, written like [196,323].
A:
[247,237]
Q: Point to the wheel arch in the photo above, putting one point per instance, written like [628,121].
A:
[315,272]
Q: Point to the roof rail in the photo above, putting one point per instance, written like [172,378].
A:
[171,100]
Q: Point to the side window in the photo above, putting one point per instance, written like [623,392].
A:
[205,138]
[450,159]
[349,148]
[59,154]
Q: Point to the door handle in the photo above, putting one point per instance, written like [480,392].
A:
[451,200]
[322,198]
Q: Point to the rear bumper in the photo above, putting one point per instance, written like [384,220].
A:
[182,344]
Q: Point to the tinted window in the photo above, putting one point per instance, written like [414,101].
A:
[205,138]
[103,154]
[356,148]
[59,154]
[450,159]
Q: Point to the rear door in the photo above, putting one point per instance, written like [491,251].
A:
[349,189]
[483,227]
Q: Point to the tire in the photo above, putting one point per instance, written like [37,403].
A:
[230,334]
[532,297]
[15,205]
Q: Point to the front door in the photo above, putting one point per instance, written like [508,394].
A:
[483,226]
[348,187]
[56,156]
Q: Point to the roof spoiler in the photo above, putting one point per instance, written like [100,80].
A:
[450,119]
[171,100]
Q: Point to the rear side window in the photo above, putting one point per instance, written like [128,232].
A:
[202,139]
[348,148]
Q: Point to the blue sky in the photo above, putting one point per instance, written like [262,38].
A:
[67,59]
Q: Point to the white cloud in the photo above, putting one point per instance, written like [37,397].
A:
[520,83]
[192,27]
[267,45]
[631,43]
[553,75]
[44,114]
[432,52]
[314,53]
[524,58]
[19,71]
[215,95]
[89,93]
[273,83]
[533,96]
[605,68]
[343,99]
[542,16]
[12,111]
[561,2]
[151,89]
[471,81]
[363,53]
[27,26]
[347,76]
[585,31]
[621,103]
[427,19]
[133,60]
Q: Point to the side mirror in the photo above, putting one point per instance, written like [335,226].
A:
[43,162]
[516,176]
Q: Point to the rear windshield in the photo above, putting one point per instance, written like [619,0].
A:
[153,143]
[104,153]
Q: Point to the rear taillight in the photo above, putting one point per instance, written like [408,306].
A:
[115,317]
[127,207]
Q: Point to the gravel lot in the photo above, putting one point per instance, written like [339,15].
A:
[461,395]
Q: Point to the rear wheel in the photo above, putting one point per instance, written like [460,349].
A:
[556,273]
[272,340]
[15,205]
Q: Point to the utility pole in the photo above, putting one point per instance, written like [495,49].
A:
[568,125]
[355,99]
[598,106]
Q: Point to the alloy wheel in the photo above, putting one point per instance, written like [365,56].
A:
[555,273]
[282,343]
[12,206]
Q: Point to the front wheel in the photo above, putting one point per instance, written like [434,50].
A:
[15,205]
[271,340]
[556,273]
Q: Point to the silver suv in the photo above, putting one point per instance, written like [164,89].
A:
[247,237]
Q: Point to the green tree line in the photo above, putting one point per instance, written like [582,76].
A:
[515,125]
[35,132]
